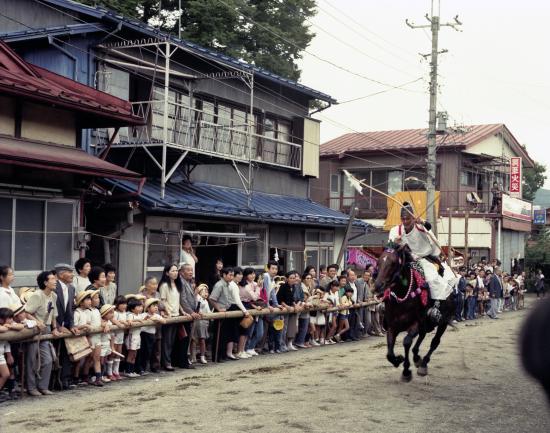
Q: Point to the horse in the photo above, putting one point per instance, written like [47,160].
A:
[406,305]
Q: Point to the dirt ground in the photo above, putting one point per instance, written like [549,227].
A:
[475,385]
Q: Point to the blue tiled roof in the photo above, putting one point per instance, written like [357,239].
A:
[102,13]
[223,202]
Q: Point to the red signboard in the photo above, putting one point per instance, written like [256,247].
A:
[515,177]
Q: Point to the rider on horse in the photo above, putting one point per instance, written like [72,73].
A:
[418,236]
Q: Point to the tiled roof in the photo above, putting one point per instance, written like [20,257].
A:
[23,80]
[223,202]
[145,29]
[405,139]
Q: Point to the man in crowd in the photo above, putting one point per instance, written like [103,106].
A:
[460,292]
[353,333]
[65,293]
[332,270]
[495,288]
[188,304]
[219,301]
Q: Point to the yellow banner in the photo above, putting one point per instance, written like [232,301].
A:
[416,198]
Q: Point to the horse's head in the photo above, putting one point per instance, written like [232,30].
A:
[390,265]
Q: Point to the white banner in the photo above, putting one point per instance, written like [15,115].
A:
[516,208]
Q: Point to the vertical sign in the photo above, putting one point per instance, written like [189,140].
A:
[515,177]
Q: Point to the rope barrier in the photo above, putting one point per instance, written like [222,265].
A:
[33,334]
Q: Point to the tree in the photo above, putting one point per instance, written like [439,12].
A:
[271,34]
[533,179]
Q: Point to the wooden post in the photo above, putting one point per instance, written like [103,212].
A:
[466,252]
[344,245]
[449,241]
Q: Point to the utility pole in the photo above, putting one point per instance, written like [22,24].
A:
[431,161]
[466,249]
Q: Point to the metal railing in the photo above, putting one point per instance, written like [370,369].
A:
[205,133]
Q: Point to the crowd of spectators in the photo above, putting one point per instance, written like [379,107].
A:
[84,297]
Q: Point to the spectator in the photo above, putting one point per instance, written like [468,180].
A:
[98,281]
[200,330]
[307,286]
[133,339]
[83,322]
[274,336]
[249,292]
[353,315]
[254,290]
[83,266]
[188,304]
[497,197]
[460,292]
[236,304]
[322,272]
[6,359]
[146,356]
[376,328]
[539,284]
[310,270]
[363,314]
[107,313]
[495,289]
[42,305]
[332,270]
[216,276]
[343,315]
[65,293]
[120,319]
[109,290]
[188,253]
[285,297]
[7,294]
[334,300]
[170,287]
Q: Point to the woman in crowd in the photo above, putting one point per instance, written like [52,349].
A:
[307,286]
[310,270]
[98,280]
[109,290]
[169,288]
[188,253]
[216,276]
[234,331]
[7,294]
[150,291]
[83,266]
[285,297]
[249,292]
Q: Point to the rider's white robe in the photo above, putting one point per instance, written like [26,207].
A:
[421,246]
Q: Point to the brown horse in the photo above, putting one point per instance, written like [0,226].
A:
[406,310]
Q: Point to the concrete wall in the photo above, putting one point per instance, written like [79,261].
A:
[48,124]
[131,258]
[265,179]
[494,146]
[7,115]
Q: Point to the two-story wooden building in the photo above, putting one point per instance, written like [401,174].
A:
[468,163]
[228,149]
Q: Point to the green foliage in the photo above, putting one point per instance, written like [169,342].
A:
[271,34]
[533,179]
[537,251]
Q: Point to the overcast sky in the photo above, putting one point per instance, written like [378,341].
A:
[496,71]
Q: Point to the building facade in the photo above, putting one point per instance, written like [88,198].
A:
[469,162]
[228,149]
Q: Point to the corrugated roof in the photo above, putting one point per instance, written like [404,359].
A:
[103,13]
[404,139]
[27,153]
[70,29]
[96,109]
[223,202]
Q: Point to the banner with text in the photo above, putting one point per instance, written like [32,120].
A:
[515,177]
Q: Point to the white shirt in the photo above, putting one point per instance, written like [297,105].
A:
[354,296]
[417,239]
[480,284]
[188,258]
[80,284]
[82,317]
[171,298]
[65,292]
[234,296]
[8,297]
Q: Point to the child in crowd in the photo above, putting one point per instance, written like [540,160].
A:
[334,300]
[95,339]
[6,359]
[107,312]
[133,339]
[82,322]
[319,298]
[147,335]
[343,322]
[200,330]
[119,319]
[470,302]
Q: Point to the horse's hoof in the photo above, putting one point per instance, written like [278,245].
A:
[397,361]
[417,362]
[406,377]
[422,371]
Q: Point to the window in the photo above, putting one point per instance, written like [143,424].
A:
[253,253]
[162,249]
[335,183]
[319,247]
[467,178]
[42,233]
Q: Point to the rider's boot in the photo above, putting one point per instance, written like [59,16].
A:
[434,313]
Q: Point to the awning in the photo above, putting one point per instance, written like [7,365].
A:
[60,158]
[215,201]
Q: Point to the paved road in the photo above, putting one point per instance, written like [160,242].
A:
[475,385]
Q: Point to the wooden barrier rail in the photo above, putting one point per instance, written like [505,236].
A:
[33,334]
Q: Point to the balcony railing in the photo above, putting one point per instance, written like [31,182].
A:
[223,139]
[375,205]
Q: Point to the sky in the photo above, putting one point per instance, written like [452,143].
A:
[496,70]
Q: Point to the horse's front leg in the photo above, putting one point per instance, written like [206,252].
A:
[391,334]
[423,369]
[416,348]
[407,343]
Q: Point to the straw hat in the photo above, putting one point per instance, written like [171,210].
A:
[106,309]
[17,308]
[134,296]
[150,302]
[25,293]
[81,296]
[93,292]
